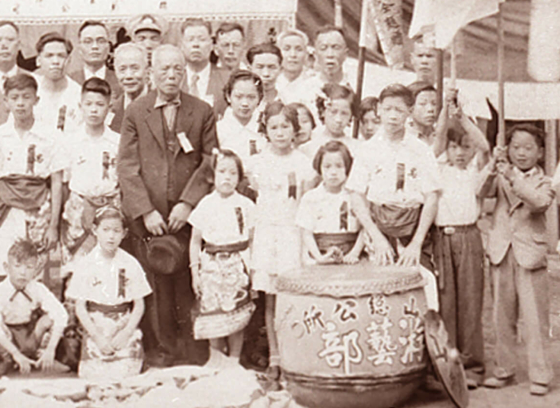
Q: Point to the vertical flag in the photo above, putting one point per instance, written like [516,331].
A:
[383,17]
[544,49]
[448,16]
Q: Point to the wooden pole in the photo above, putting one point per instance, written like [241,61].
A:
[359,86]
[551,149]
[440,56]
[501,140]
[338,13]
[453,80]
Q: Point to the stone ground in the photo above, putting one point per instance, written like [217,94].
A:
[516,396]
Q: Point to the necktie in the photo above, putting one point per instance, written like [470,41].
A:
[194,85]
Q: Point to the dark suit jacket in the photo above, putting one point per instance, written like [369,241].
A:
[79,76]
[118,111]
[4,113]
[141,168]
[216,83]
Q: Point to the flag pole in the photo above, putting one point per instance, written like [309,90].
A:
[501,140]
[361,66]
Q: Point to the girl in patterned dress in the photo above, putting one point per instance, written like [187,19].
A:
[280,175]
[109,286]
[219,252]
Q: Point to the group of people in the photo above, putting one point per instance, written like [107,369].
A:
[219,177]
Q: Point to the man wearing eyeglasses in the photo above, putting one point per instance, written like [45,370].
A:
[94,47]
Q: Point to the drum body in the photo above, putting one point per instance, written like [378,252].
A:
[351,335]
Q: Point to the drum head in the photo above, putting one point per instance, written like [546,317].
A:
[445,359]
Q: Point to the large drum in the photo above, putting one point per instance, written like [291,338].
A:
[351,335]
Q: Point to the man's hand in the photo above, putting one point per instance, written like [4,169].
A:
[46,361]
[179,216]
[24,363]
[410,255]
[154,223]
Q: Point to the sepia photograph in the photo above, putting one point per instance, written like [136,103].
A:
[279,204]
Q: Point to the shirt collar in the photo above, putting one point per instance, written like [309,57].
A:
[100,73]
[12,72]
[127,101]
[203,76]
[526,174]
[14,291]
[161,101]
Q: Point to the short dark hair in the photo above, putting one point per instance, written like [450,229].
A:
[333,146]
[243,75]
[22,250]
[90,23]
[299,105]
[263,48]
[20,82]
[10,23]
[368,104]
[228,27]
[97,85]
[455,133]
[50,37]
[196,22]
[335,91]
[108,212]
[420,86]
[277,108]
[397,91]
[230,154]
[537,133]
[329,28]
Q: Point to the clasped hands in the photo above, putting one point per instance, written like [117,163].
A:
[156,224]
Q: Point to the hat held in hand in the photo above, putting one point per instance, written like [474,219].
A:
[166,254]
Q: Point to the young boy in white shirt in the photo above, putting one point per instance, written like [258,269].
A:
[31,317]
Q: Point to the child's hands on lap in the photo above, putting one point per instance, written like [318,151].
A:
[121,339]
[105,345]
[410,256]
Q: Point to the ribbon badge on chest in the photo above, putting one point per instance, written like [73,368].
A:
[31,159]
[61,118]
[292,185]
[240,221]
[344,216]
[122,283]
[400,176]
[106,162]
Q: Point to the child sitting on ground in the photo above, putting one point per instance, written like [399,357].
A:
[109,287]
[330,230]
[31,318]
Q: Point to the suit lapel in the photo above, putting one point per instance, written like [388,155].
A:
[153,120]
[184,121]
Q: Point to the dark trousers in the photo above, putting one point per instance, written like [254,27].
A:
[459,258]
[167,325]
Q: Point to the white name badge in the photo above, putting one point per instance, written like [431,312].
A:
[184,142]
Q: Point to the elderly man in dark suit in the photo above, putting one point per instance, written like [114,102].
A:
[163,164]
[131,68]
[204,79]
